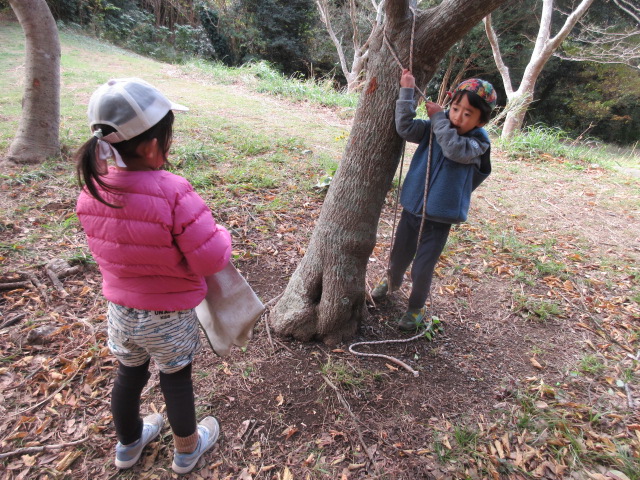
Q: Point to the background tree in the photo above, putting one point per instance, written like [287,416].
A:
[37,137]
[325,297]
[520,99]
[358,49]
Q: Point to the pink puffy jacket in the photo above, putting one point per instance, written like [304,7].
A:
[155,251]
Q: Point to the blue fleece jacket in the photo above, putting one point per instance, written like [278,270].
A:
[459,163]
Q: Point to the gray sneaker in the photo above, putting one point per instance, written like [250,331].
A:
[381,290]
[128,455]
[208,433]
[412,319]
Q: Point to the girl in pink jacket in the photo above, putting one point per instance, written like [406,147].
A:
[154,240]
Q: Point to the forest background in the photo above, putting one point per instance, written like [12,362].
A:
[598,100]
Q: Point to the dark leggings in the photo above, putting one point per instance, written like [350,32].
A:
[177,389]
[434,238]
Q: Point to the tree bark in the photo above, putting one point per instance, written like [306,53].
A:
[325,297]
[37,137]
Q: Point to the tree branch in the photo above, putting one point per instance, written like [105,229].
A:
[22,451]
[323,9]
[397,11]
[629,8]
[497,56]
[569,23]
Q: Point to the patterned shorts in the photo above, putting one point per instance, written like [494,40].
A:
[171,338]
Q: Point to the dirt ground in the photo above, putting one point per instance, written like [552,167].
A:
[293,410]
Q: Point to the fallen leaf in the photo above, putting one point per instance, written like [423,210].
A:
[286,474]
[67,460]
[535,363]
[256,449]
[289,432]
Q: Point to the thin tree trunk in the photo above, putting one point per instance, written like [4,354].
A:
[37,137]
[520,100]
[325,298]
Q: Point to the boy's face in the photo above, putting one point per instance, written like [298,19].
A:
[463,116]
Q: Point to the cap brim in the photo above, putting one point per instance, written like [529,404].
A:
[179,108]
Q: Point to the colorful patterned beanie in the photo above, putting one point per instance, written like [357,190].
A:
[482,88]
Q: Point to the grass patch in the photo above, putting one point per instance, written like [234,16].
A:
[539,142]
[533,308]
[321,92]
[591,365]
[344,374]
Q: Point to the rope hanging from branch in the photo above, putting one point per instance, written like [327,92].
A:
[429,326]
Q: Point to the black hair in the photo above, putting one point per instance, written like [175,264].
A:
[475,101]
[90,172]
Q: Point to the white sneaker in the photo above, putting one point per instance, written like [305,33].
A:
[208,433]
[128,455]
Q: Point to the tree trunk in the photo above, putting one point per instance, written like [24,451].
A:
[325,297]
[38,131]
[515,116]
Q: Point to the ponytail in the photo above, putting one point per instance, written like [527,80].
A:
[90,170]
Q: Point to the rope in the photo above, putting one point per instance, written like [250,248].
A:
[395,213]
[413,32]
[426,187]
[387,357]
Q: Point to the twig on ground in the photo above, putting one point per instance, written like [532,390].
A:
[38,284]
[56,282]
[13,321]
[22,451]
[629,393]
[267,307]
[253,423]
[65,384]
[415,373]
[353,417]
[14,285]
[491,204]
[272,301]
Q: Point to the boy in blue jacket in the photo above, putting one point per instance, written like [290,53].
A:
[460,161]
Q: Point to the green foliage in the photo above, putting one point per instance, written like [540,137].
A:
[602,100]
[129,25]
[280,31]
[218,38]
[591,365]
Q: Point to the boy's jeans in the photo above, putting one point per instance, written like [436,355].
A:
[434,238]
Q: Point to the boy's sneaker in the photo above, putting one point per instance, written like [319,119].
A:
[381,290]
[208,433]
[128,455]
[412,319]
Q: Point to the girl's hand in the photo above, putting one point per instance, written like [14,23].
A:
[407,80]
[432,108]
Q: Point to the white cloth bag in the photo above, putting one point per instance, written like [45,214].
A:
[229,311]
